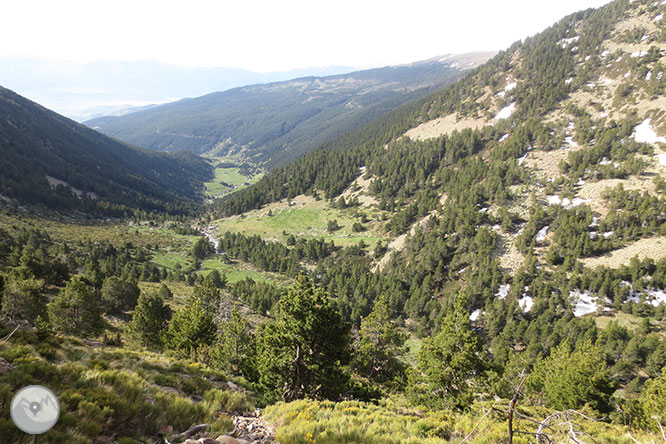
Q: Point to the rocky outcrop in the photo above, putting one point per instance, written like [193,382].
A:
[247,430]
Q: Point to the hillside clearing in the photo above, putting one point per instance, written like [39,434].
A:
[302,216]
[444,125]
[651,248]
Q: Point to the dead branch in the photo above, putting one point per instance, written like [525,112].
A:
[663,435]
[192,430]
[479,423]
[512,406]
[633,439]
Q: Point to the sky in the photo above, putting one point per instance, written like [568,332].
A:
[271,35]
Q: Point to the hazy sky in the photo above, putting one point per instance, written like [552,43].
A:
[271,35]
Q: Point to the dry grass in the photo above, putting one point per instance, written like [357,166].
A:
[444,125]
[362,193]
[510,258]
[651,248]
[545,164]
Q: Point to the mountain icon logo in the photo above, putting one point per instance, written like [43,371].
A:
[35,409]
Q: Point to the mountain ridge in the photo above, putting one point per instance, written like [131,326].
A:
[277,122]
[56,162]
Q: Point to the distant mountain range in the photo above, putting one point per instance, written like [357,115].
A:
[55,162]
[86,91]
[272,124]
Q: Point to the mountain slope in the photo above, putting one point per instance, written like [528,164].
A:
[91,90]
[544,158]
[278,122]
[50,160]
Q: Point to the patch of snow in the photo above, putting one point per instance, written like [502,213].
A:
[526,303]
[571,126]
[566,202]
[605,161]
[648,76]
[603,114]
[658,18]
[363,168]
[627,75]
[595,222]
[475,315]
[554,200]
[541,235]
[638,54]
[566,42]
[503,291]
[644,133]
[644,38]
[662,159]
[506,112]
[501,94]
[462,271]
[497,227]
[606,81]
[619,59]
[578,201]
[587,58]
[504,137]
[571,142]
[608,234]
[605,54]
[574,49]
[568,81]
[522,159]
[510,86]
[584,303]
[483,210]
[580,182]
[660,75]
[593,234]
[658,297]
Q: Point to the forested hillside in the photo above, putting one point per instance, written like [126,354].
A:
[487,264]
[50,160]
[272,124]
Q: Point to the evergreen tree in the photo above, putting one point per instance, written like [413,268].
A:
[23,299]
[118,294]
[165,293]
[302,352]
[202,248]
[380,345]
[450,364]
[235,343]
[216,279]
[208,294]
[75,310]
[192,326]
[570,379]
[652,404]
[149,321]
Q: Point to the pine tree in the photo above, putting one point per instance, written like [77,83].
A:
[119,294]
[191,327]
[149,322]
[380,345]
[235,342]
[75,310]
[23,299]
[450,364]
[302,352]
[570,379]
[216,279]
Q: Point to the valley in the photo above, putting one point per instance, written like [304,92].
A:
[482,261]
